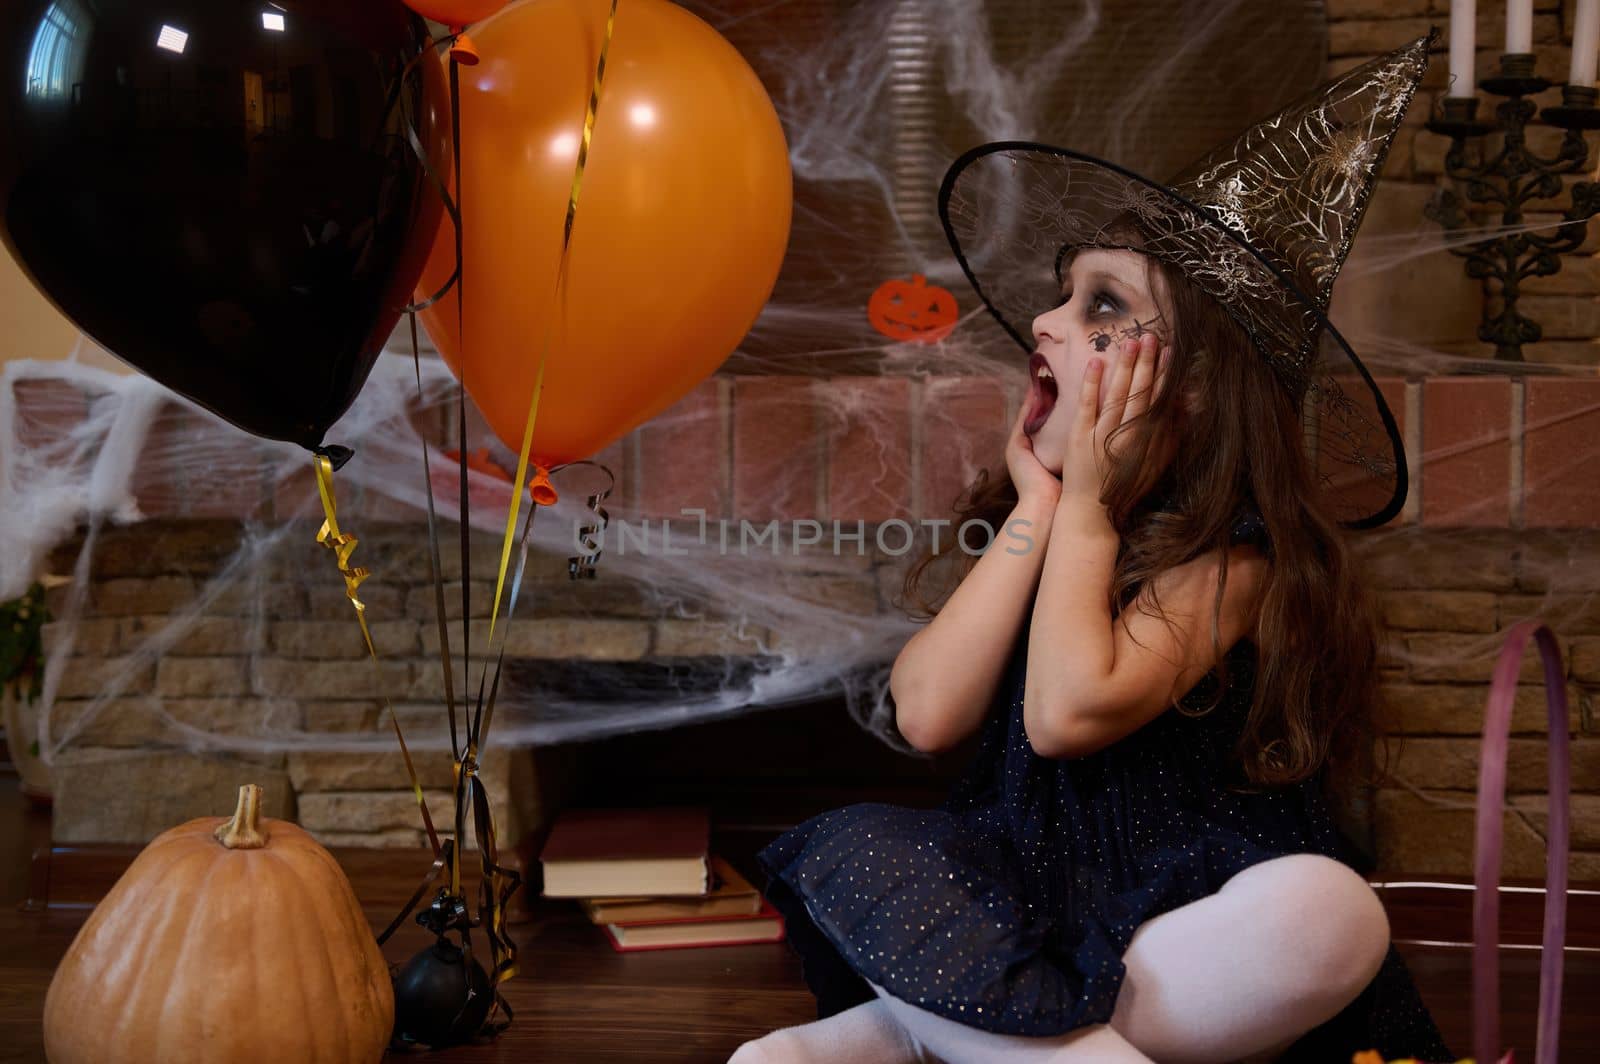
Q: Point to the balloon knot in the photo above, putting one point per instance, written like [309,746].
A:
[448,912]
[544,493]
[336,455]
[463,51]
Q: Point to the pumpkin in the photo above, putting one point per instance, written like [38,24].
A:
[226,940]
[912,310]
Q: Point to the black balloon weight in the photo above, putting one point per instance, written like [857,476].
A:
[436,1001]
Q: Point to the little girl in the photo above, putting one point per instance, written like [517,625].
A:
[1142,861]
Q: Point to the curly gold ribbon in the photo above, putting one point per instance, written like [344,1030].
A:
[343,545]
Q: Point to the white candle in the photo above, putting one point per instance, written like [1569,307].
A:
[1519,26]
[1585,42]
[1463,39]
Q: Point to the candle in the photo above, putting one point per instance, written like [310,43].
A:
[1585,42]
[1519,26]
[1463,30]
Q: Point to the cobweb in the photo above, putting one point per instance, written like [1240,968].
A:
[876,98]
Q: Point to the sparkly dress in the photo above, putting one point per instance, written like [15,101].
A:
[1009,906]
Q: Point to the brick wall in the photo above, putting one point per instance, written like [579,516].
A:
[1500,525]
[1491,536]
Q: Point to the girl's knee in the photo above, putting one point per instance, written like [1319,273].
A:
[788,1045]
[1331,916]
[760,1051]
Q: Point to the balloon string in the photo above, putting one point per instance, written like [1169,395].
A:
[496,888]
[396,91]
[484,712]
[560,288]
[450,208]
[578,567]
[502,949]
[446,855]
[499,882]
[436,567]
[421,152]
[343,545]
[464,506]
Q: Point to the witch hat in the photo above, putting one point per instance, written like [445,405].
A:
[1262,223]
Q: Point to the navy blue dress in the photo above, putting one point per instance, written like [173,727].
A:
[1008,907]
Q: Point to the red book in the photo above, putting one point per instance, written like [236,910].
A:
[628,852]
[683,932]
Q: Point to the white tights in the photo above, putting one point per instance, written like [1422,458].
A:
[1283,946]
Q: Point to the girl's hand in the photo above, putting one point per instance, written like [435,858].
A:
[1134,365]
[1033,481]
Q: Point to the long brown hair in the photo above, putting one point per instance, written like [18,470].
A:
[1317,704]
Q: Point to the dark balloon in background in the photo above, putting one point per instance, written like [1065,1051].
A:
[222,192]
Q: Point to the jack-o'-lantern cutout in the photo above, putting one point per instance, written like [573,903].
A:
[912,310]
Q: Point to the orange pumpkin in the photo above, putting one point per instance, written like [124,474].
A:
[912,310]
[226,940]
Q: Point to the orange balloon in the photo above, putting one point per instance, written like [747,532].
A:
[681,226]
[455,12]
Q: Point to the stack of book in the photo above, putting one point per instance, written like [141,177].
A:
[649,878]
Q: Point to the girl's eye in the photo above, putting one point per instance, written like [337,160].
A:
[1097,300]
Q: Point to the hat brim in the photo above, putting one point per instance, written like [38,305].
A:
[1009,207]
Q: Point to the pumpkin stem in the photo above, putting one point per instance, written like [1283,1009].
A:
[245,831]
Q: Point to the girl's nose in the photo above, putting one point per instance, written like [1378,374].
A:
[1044,327]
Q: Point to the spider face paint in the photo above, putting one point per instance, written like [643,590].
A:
[1103,339]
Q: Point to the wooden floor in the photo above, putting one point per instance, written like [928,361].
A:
[578,1002]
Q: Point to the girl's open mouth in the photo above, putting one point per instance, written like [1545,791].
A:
[1041,393]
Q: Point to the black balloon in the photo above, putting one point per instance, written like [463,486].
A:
[222,192]
[432,1004]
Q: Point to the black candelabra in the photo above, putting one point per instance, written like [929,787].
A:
[1510,178]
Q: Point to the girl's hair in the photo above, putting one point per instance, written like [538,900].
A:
[1317,704]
